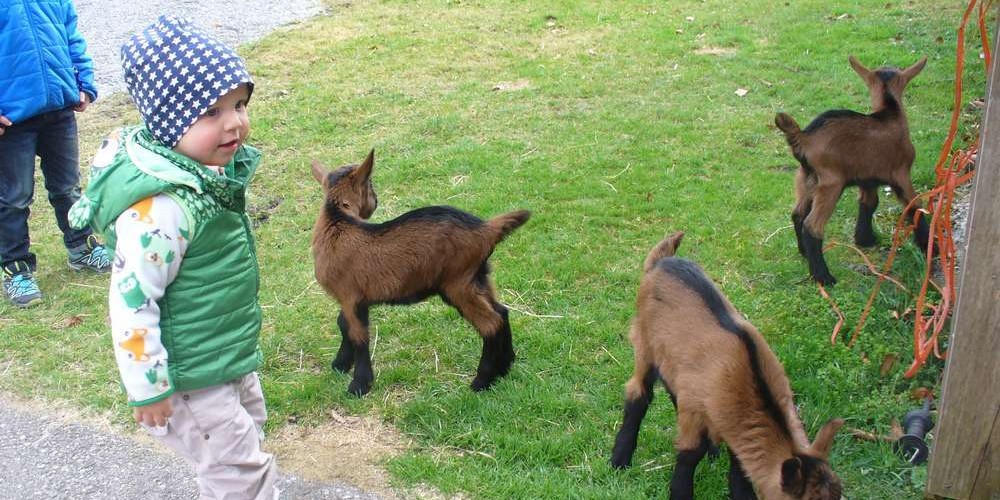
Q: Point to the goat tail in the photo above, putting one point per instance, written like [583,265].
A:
[665,248]
[790,127]
[504,224]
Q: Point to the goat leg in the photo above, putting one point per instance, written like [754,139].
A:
[363,376]
[864,235]
[639,395]
[814,254]
[682,481]
[345,356]
[797,223]
[740,487]
[476,302]
[356,319]
[823,202]
[921,233]
[507,354]
[498,352]
[804,188]
[490,362]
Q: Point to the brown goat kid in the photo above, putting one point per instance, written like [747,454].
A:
[843,148]
[429,251]
[726,384]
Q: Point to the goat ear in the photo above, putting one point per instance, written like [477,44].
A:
[823,443]
[792,479]
[319,172]
[913,71]
[364,172]
[675,240]
[865,73]
[665,248]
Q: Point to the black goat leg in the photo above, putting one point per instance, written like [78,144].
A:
[635,411]
[345,356]
[864,235]
[682,481]
[740,487]
[363,374]
[814,254]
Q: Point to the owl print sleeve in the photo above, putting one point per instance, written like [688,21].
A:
[152,239]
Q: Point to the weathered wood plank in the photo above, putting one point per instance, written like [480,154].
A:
[988,483]
[965,460]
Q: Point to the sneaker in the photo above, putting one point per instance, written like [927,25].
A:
[20,286]
[90,255]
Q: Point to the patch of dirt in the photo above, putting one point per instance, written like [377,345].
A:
[521,84]
[715,51]
[347,449]
[260,213]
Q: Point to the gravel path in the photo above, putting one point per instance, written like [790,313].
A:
[56,457]
[106,24]
[53,457]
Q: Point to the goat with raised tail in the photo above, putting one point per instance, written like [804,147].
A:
[726,384]
[843,148]
[429,251]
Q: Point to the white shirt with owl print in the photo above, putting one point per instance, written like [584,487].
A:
[151,244]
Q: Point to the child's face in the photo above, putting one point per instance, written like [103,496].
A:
[214,138]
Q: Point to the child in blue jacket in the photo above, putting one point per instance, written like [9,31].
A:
[45,75]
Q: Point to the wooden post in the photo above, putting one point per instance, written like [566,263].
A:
[965,460]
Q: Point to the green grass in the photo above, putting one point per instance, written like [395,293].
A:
[623,133]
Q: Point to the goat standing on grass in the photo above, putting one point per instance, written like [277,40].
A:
[843,148]
[726,385]
[429,251]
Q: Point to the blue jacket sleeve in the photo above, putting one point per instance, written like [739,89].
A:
[78,52]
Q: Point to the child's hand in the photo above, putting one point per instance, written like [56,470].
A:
[154,415]
[84,102]
[4,123]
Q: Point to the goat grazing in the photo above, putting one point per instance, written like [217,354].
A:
[843,148]
[429,251]
[726,384]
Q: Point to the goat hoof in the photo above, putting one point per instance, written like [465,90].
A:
[359,388]
[620,463]
[865,241]
[482,383]
[342,366]
[826,279]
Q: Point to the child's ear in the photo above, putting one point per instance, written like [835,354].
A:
[319,172]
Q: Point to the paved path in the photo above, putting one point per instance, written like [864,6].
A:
[52,457]
[106,24]
[55,457]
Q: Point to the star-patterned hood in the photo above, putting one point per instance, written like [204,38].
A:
[174,71]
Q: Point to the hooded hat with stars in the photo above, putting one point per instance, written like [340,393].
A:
[175,71]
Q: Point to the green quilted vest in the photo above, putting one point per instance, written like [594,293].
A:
[210,318]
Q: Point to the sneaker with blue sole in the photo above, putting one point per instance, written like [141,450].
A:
[20,286]
[91,255]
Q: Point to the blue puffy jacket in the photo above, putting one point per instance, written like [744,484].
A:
[43,58]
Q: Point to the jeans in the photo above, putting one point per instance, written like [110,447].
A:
[51,136]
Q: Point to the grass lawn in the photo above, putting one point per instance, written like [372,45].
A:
[616,122]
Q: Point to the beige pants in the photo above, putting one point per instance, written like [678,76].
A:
[218,430]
